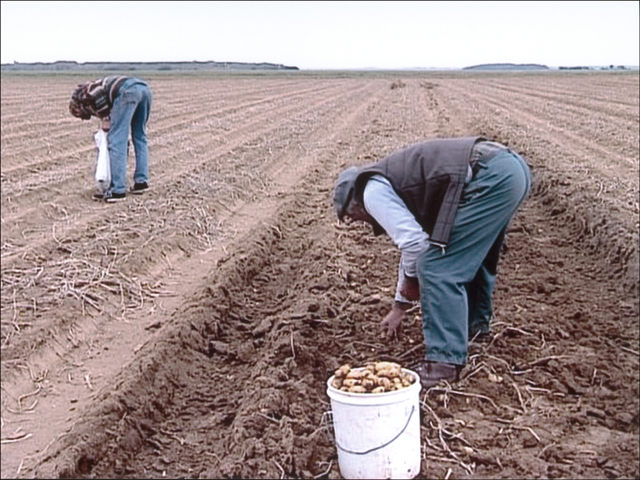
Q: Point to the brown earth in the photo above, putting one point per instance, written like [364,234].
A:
[190,332]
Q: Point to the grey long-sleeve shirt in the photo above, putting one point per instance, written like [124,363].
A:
[383,203]
[387,208]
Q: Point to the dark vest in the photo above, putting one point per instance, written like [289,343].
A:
[429,178]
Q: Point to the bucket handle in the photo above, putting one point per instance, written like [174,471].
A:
[413,407]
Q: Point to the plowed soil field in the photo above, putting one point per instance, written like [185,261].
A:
[189,332]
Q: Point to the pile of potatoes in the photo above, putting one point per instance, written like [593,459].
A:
[377,377]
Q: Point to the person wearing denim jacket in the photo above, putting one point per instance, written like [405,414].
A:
[123,104]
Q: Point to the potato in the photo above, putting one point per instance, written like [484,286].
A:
[369,383]
[342,371]
[374,377]
[385,383]
[370,374]
[406,377]
[385,365]
[389,372]
[350,382]
[357,374]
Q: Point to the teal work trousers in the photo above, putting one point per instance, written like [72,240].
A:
[456,285]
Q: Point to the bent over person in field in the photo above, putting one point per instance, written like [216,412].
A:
[446,204]
[123,104]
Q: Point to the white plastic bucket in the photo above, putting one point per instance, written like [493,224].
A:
[377,435]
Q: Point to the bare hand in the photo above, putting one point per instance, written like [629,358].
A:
[106,124]
[410,288]
[393,321]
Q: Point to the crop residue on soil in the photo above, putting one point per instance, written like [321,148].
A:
[191,332]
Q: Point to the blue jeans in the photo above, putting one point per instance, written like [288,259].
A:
[130,109]
[456,287]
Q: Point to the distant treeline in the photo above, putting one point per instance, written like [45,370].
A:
[535,66]
[63,65]
[580,67]
[507,66]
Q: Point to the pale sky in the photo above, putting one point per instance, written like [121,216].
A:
[325,35]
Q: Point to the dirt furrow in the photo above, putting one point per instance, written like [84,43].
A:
[569,91]
[525,112]
[71,236]
[257,370]
[259,106]
[609,125]
[158,130]
[248,270]
[23,112]
[601,126]
[605,224]
[243,294]
[40,147]
[207,151]
[180,104]
[176,266]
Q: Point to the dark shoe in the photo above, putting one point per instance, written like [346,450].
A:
[433,372]
[98,196]
[115,197]
[140,188]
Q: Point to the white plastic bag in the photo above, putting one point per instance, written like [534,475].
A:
[103,164]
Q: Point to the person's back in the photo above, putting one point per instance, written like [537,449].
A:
[421,197]
[123,104]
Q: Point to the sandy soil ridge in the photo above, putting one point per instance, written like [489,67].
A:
[208,356]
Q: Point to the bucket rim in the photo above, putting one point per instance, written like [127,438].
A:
[336,393]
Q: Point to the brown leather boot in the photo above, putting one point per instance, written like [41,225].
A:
[432,372]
